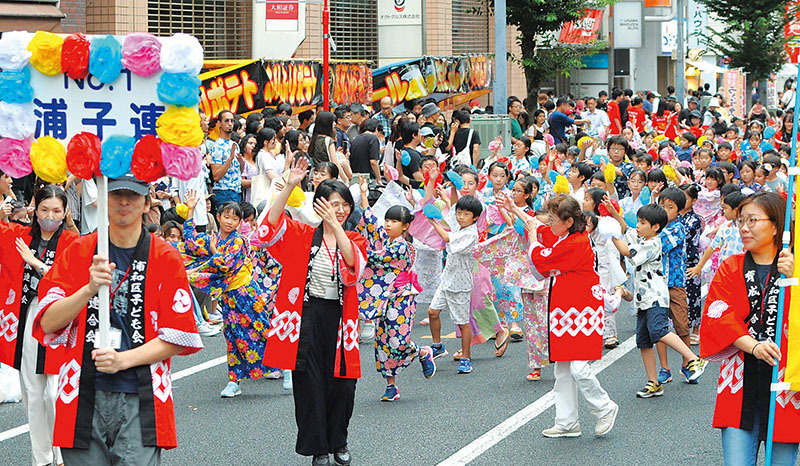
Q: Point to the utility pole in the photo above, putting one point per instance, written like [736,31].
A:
[326,52]
[499,90]
[680,79]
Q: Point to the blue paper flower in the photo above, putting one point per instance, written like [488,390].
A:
[456,179]
[405,158]
[15,86]
[644,196]
[631,219]
[534,161]
[769,131]
[181,89]
[553,176]
[519,225]
[116,156]
[766,146]
[105,59]
[431,211]
[421,192]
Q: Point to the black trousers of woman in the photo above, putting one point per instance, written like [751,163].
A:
[323,404]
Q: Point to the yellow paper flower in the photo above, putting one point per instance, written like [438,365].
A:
[561,185]
[677,139]
[45,48]
[659,138]
[182,210]
[701,141]
[296,198]
[669,172]
[583,141]
[610,173]
[180,126]
[49,159]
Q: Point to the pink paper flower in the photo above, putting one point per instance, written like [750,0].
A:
[181,161]
[141,54]
[15,158]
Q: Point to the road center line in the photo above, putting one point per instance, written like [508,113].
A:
[491,438]
[24,429]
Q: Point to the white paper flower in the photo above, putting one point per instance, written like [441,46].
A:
[14,53]
[17,121]
[181,53]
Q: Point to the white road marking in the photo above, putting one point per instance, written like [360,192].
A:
[24,429]
[491,438]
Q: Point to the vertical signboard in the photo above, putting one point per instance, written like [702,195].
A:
[698,25]
[399,30]
[628,25]
[735,87]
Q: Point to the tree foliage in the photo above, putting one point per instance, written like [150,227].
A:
[543,57]
[753,38]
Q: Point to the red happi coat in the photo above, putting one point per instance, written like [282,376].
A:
[724,321]
[167,315]
[12,324]
[290,244]
[575,303]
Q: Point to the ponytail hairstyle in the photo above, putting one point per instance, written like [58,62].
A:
[402,215]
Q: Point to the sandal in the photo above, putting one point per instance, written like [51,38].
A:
[535,375]
[424,322]
[457,355]
[500,350]
[516,335]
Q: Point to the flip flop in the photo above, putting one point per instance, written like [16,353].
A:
[535,375]
[516,335]
[424,322]
[457,355]
[500,350]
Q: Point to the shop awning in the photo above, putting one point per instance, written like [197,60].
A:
[29,16]
[707,67]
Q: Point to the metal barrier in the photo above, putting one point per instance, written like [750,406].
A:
[488,128]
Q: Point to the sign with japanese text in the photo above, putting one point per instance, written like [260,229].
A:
[287,10]
[628,25]
[429,76]
[735,87]
[263,83]
[698,25]
[792,30]
[64,107]
[399,12]
[583,30]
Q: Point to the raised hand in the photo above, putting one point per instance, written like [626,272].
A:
[191,199]
[325,211]
[363,183]
[297,172]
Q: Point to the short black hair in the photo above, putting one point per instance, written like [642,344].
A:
[689,137]
[358,108]
[657,175]
[268,112]
[690,190]
[305,116]
[616,93]
[584,170]
[466,170]
[640,172]
[328,187]
[724,145]
[727,166]
[283,107]
[728,189]
[653,214]
[399,213]
[675,195]
[643,157]
[231,206]
[370,125]
[734,199]
[462,116]
[617,139]
[470,203]
[717,174]
[408,130]
[247,209]
[341,110]
[273,123]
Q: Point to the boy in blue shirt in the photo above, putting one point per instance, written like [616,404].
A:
[673,237]
[686,149]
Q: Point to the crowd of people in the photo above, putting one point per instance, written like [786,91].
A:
[307,234]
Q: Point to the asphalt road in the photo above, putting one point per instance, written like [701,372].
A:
[434,419]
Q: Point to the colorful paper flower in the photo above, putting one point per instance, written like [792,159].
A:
[15,86]
[17,121]
[117,155]
[105,59]
[15,159]
[181,53]
[147,165]
[14,53]
[49,159]
[141,54]
[183,162]
[75,56]
[180,126]
[179,89]
[45,50]
[83,155]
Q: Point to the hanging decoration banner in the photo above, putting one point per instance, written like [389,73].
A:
[735,86]
[792,30]
[427,76]
[264,83]
[583,30]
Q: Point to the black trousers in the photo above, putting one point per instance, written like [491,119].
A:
[323,403]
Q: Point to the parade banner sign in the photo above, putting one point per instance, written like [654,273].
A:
[583,30]
[735,86]
[427,76]
[792,30]
[263,83]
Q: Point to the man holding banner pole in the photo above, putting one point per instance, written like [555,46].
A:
[115,402]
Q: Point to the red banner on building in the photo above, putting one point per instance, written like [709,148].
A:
[583,30]
[282,10]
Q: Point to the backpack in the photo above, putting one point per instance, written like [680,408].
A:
[464,157]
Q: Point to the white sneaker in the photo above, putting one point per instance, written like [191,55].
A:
[367,334]
[606,423]
[231,390]
[207,330]
[215,318]
[274,375]
[558,432]
[287,380]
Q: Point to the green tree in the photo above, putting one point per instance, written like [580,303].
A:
[753,38]
[543,57]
